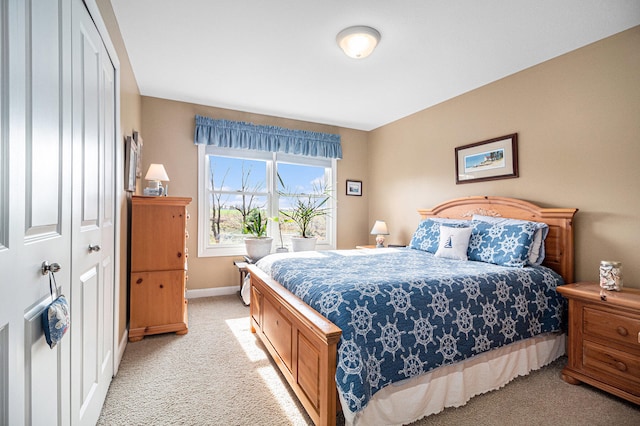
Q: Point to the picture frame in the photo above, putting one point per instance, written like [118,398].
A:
[138,144]
[354,187]
[491,159]
[130,164]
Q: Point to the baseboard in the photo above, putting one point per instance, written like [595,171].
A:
[209,292]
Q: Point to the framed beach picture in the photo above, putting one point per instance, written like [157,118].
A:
[492,159]
[354,187]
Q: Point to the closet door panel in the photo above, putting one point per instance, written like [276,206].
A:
[44,138]
[35,211]
[93,230]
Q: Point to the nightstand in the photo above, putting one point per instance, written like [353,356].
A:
[366,247]
[604,339]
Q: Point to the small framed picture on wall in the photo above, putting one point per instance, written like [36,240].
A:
[354,187]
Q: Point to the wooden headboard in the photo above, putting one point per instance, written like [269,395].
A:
[558,244]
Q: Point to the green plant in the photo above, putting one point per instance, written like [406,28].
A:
[255,224]
[306,207]
[276,219]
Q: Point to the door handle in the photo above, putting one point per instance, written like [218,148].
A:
[94,248]
[46,267]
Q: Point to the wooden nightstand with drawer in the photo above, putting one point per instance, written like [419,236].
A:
[604,339]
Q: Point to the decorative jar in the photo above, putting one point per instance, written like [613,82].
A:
[611,275]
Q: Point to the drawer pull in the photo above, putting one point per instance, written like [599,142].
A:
[622,331]
[621,366]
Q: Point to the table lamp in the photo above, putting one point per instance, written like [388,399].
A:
[155,175]
[379,230]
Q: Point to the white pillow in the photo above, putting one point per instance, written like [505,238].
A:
[537,251]
[453,243]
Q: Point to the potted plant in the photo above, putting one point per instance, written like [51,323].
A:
[258,245]
[281,248]
[306,207]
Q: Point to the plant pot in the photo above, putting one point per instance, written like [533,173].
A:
[257,248]
[303,244]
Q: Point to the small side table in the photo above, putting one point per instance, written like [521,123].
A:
[366,247]
[242,268]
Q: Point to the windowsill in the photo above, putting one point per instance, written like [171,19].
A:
[241,251]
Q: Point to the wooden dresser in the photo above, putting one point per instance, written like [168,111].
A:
[604,339]
[158,266]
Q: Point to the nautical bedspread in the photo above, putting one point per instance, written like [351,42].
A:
[404,312]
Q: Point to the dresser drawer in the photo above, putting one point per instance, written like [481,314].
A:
[611,327]
[622,367]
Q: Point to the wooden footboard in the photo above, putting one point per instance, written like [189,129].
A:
[302,342]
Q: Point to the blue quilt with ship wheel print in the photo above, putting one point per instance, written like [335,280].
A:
[404,312]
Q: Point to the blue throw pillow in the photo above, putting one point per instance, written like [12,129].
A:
[506,245]
[537,251]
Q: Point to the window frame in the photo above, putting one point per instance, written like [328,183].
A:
[272,158]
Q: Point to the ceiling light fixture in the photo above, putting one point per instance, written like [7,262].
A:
[358,42]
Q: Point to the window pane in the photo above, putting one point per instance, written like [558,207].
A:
[239,187]
[308,182]
[300,179]
[227,225]
[237,174]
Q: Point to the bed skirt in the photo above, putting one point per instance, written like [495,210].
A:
[454,385]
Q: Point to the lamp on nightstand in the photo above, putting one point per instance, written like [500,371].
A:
[379,230]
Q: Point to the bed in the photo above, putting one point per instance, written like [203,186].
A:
[413,371]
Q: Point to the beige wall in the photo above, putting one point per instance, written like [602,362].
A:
[578,124]
[168,130]
[130,119]
[579,146]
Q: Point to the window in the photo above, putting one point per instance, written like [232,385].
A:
[232,182]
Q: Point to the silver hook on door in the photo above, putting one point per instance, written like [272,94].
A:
[46,267]
[95,248]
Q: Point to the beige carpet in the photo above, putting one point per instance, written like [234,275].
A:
[220,374]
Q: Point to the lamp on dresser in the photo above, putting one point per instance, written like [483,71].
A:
[155,175]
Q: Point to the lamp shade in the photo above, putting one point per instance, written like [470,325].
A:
[157,172]
[379,228]
[358,42]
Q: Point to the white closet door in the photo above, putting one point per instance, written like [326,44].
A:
[35,207]
[93,231]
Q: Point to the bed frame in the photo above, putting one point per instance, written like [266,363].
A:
[303,343]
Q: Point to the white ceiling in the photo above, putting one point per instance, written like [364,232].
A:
[280,57]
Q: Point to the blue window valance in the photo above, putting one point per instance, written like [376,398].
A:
[241,135]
